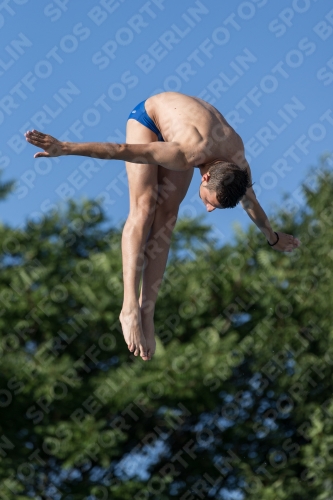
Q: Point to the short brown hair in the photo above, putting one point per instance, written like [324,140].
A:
[229,181]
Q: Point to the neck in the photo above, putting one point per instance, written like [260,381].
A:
[206,166]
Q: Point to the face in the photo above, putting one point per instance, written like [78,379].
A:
[208,197]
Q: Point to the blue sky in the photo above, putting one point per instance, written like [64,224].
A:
[76,70]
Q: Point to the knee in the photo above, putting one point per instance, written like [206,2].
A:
[166,216]
[142,211]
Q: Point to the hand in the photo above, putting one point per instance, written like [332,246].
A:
[286,243]
[51,146]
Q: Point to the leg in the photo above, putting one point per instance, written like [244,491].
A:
[142,181]
[173,188]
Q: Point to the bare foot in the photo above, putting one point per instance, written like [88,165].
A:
[148,329]
[132,331]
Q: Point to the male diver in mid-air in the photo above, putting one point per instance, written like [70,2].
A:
[166,137]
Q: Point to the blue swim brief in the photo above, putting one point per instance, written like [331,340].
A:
[140,114]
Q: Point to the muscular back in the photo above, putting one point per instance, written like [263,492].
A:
[199,128]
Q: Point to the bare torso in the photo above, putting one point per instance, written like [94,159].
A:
[199,128]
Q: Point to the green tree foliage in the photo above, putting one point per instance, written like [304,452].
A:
[238,398]
[5,187]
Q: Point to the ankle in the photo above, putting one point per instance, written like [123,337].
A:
[130,308]
[147,309]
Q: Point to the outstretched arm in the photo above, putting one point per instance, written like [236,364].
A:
[167,154]
[286,243]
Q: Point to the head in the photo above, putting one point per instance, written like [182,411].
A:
[223,185]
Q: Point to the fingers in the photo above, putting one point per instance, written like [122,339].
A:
[36,142]
[294,243]
[35,139]
[40,155]
[287,243]
[36,133]
[40,134]
[290,244]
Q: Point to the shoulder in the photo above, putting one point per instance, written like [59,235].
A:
[237,150]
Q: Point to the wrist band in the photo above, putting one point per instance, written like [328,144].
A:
[272,244]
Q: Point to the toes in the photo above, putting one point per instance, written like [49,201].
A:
[150,353]
[131,347]
[137,351]
[143,352]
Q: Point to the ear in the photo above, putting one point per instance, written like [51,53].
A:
[205,177]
